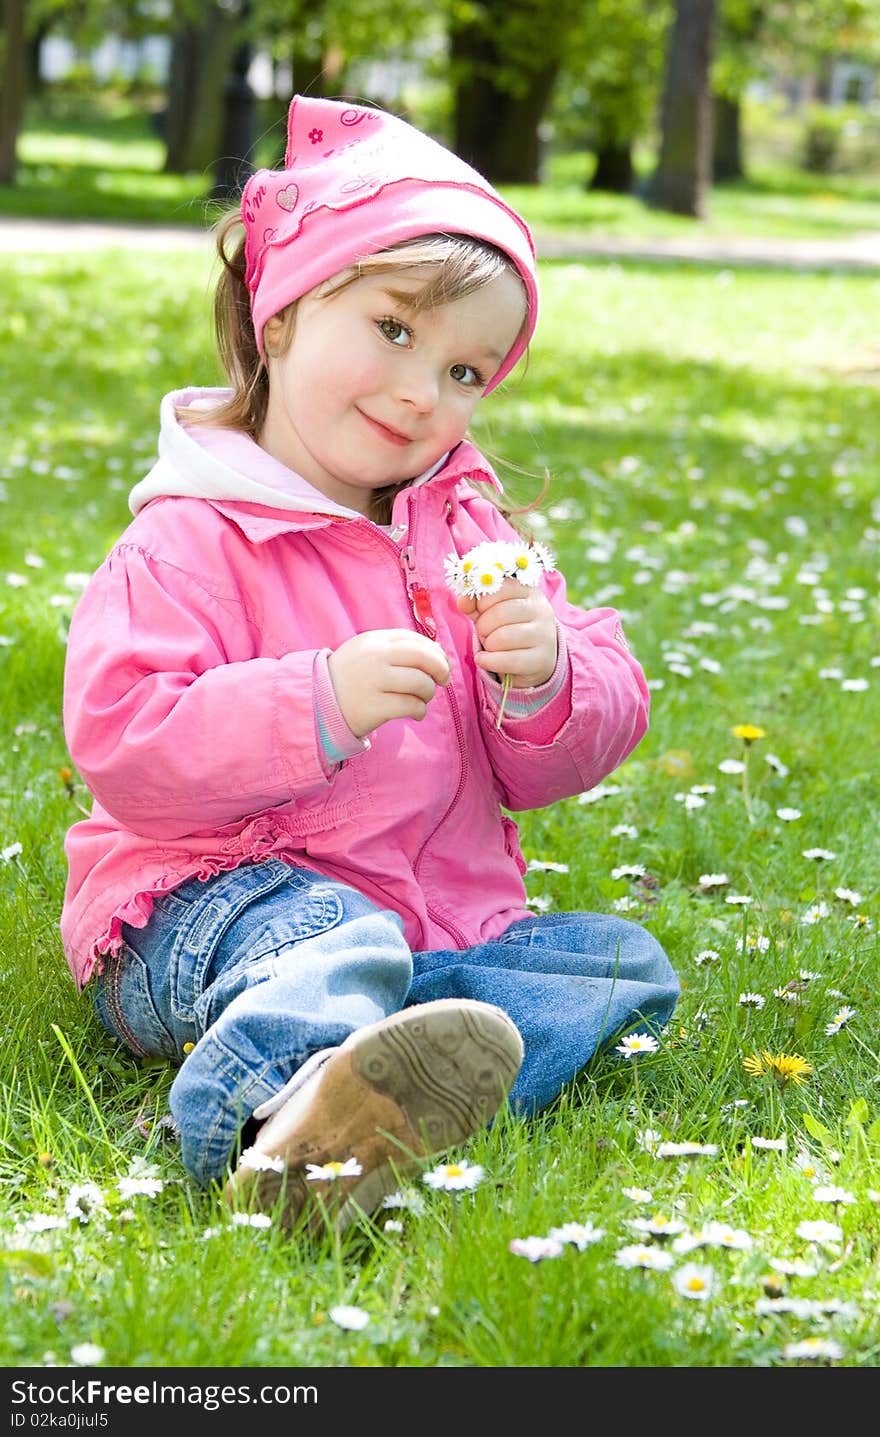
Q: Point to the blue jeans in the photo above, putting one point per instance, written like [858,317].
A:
[240,978]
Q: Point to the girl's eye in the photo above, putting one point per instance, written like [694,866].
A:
[394,331]
[466,374]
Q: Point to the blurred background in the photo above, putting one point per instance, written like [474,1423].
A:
[596,117]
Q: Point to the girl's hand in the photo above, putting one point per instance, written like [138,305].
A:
[385,674]
[516,627]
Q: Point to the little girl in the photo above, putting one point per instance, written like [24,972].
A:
[297,881]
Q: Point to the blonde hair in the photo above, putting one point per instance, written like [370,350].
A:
[457,265]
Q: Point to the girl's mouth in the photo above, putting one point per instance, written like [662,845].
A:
[393,436]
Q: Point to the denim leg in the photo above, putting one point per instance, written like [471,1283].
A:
[570,982]
[257,968]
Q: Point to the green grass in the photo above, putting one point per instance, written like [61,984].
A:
[102,159]
[712,444]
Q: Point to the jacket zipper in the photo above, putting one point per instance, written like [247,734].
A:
[420,603]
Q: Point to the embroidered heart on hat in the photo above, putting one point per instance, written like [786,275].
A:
[288,197]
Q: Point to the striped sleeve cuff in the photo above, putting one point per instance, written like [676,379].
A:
[336,742]
[545,708]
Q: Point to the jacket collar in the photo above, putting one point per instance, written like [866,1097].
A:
[259,523]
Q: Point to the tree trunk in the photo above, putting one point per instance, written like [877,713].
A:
[681,180]
[34,42]
[12,87]
[727,161]
[239,129]
[614,170]
[200,63]
[496,129]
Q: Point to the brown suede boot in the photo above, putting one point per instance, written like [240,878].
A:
[368,1112]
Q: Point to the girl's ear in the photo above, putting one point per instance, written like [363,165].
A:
[272,333]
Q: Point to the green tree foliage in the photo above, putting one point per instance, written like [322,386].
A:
[609,86]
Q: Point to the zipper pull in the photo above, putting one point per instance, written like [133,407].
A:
[421,606]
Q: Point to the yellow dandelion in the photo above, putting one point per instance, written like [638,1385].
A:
[784,1068]
[748,732]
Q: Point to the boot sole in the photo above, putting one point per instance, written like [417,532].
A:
[400,1091]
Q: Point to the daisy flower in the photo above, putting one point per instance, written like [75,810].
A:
[828,1192]
[635,1043]
[250,1219]
[713,880]
[331,1172]
[145,1187]
[645,1255]
[818,853]
[777,1145]
[454,1177]
[693,1281]
[731,765]
[649,1140]
[87,1354]
[813,1349]
[526,565]
[742,900]
[706,955]
[85,1201]
[752,944]
[808,1165]
[578,1234]
[408,1201]
[350,1319]
[657,1226]
[848,895]
[721,1234]
[535,1249]
[393,1225]
[815,913]
[638,1194]
[42,1222]
[261,1162]
[840,1020]
[788,815]
[686,1150]
[629,870]
[793,1267]
[751,1000]
[819,1231]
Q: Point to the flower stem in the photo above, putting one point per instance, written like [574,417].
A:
[745,789]
[505,690]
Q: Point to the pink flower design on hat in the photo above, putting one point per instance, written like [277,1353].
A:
[316,136]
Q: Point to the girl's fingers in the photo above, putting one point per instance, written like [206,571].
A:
[508,661]
[400,680]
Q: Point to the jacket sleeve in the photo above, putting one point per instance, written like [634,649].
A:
[606,718]
[172,728]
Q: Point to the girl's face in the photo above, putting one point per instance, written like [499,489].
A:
[369,393]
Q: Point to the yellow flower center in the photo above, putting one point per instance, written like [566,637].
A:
[695,1284]
[335,1167]
[487,578]
[521,561]
[453,1170]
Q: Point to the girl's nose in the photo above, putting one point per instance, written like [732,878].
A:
[419,388]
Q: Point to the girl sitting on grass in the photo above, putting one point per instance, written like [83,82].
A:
[297,881]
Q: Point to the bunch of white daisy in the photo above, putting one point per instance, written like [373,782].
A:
[483,569]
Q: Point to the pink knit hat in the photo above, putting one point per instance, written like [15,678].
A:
[357,180]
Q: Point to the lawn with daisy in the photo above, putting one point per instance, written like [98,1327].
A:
[704,1196]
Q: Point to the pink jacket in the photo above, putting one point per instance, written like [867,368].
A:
[189,707]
